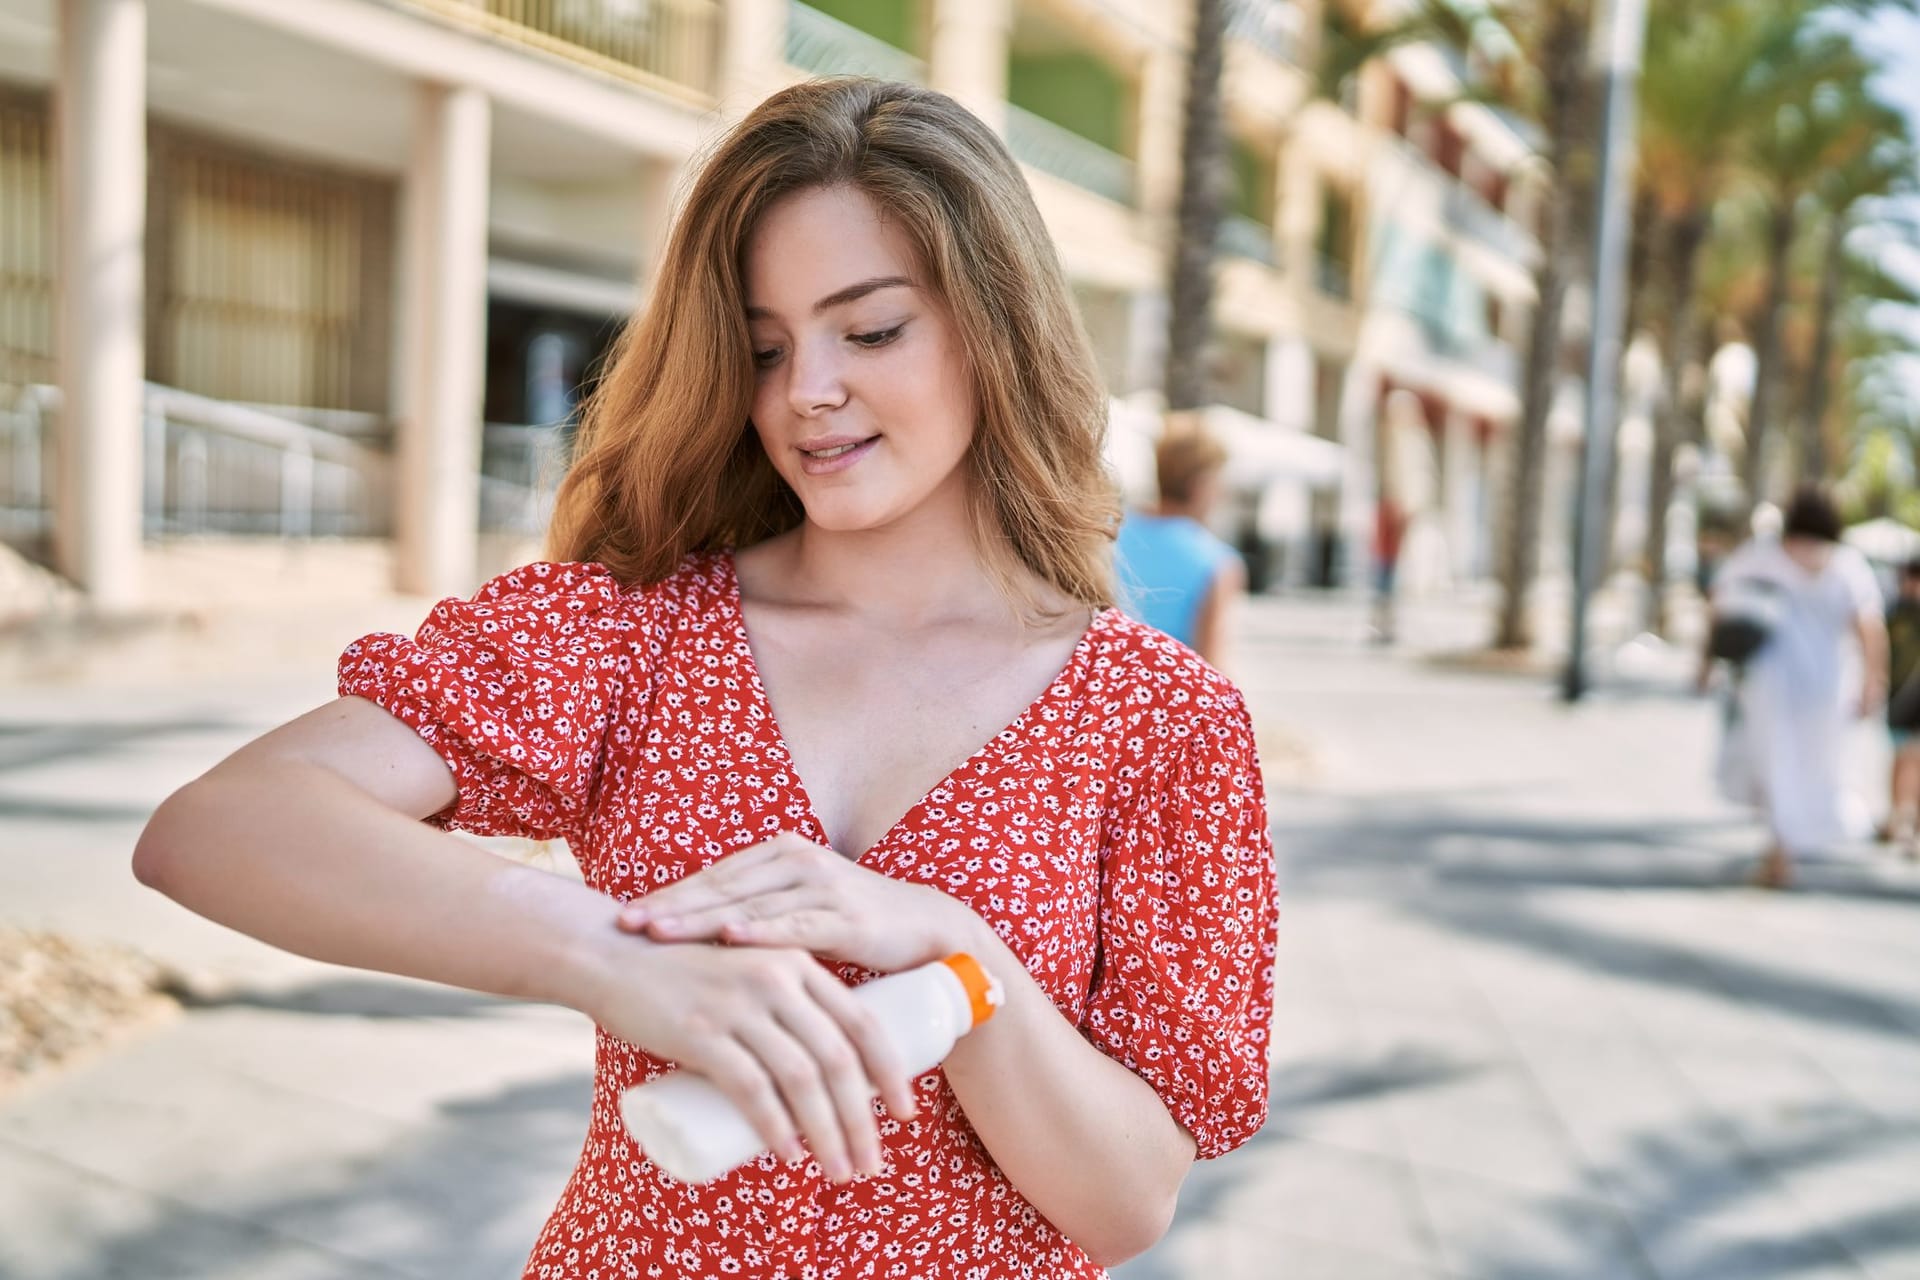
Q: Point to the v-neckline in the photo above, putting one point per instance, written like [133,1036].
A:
[757,690]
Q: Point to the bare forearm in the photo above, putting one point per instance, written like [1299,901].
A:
[1088,1142]
[299,857]
[1874,655]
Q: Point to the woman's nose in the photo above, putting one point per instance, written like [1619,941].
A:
[815,382]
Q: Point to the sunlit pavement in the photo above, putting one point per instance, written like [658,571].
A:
[1528,1024]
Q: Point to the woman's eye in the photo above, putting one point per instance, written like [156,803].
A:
[766,359]
[878,338]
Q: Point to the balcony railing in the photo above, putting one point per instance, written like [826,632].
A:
[1476,349]
[1468,212]
[1273,26]
[1065,154]
[670,45]
[208,467]
[828,46]
[1243,237]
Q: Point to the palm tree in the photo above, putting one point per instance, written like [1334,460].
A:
[1203,198]
[1886,167]
[1823,119]
[1872,331]
[1696,91]
[1546,79]
[1348,41]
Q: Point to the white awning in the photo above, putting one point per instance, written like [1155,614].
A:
[1885,540]
[1260,452]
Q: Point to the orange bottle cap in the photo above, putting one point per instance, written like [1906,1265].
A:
[984,995]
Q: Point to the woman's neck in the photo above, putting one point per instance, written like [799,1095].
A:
[923,569]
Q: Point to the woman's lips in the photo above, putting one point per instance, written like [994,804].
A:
[837,457]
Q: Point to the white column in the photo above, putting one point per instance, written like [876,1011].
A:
[659,190]
[753,50]
[101,157]
[968,59]
[1290,383]
[1360,429]
[1147,341]
[437,494]
[1160,115]
[1459,461]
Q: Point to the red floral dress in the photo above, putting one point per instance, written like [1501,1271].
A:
[1115,835]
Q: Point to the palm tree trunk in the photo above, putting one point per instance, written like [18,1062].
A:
[1766,366]
[1685,235]
[1813,457]
[1203,194]
[1642,253]
[1564,61]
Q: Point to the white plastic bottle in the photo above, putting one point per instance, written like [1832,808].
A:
[695,1133]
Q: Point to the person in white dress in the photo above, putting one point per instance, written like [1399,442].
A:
[1822,665]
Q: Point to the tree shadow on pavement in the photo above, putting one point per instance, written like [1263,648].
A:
[1303,1085]
[26,744]
[1435,866]
[1704,1202]
[1691,1200]
[352,998]
[1448,842]
[40,810]
[463,1197]
[1735,980]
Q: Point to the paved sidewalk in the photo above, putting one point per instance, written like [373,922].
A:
[1525,1029]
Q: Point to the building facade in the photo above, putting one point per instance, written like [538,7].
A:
[340,268]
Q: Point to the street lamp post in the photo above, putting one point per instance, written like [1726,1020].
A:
[1619,31]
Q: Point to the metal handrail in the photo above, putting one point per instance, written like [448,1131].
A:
[210,466]
[1057,150]
[257,426]
[825,45]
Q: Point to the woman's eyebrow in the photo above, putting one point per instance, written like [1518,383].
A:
[840,297]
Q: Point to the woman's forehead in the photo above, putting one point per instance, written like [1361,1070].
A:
[813,244]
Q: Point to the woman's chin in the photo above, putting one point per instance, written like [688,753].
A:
[847,517]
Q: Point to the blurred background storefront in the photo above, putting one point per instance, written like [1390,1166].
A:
[340,272]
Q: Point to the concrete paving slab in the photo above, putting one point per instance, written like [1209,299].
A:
[1526,1029]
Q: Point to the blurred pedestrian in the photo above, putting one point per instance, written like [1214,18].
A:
[1174,573]
[848,463]
[1818,661]
[1903,711]
[1390,522]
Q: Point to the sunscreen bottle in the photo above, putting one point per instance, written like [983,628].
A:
[694,1132]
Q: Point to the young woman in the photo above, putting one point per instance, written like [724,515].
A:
[826,674]
[1822,665]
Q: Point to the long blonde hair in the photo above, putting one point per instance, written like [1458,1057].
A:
[667,462]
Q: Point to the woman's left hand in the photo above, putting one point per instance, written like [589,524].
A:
[789,892]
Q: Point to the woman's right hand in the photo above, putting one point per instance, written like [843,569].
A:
[773,1030]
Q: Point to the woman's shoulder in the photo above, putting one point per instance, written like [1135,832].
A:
[560,589]
[1148,669]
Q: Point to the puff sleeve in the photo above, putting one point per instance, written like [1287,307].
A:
[515,688]
[1182,992]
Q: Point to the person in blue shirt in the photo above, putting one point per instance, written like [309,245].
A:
[1173,572]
